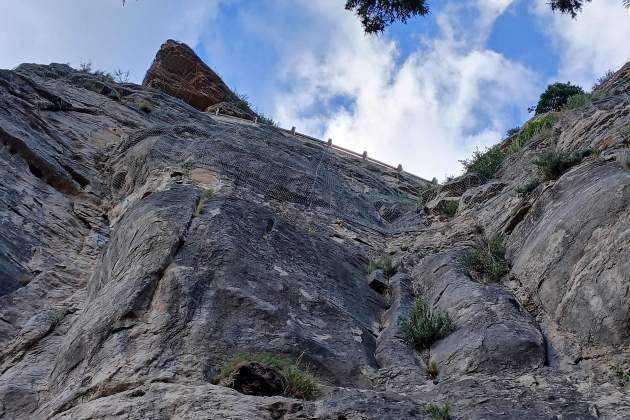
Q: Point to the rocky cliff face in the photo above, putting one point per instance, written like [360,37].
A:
[125,285]
[178,71]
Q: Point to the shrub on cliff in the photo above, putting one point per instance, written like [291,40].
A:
[528,132]
[438,412]
[385,263]
[299,383]
[552,163]
[425,326]
[556,95]
[486,262]
[485,163]
[577,101]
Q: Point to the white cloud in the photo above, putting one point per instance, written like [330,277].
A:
[103,31]
[426,112]
[596,41]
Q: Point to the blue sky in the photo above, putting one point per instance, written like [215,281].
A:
[424,94]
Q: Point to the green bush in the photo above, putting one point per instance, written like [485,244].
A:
[577,101]
[556,95]
[622,375]
[529,131]
[552,163]
[438,412]
[425,326]
[145,106]
[486,262]
[449,209]
[300,383]
[203,200]
[385,263]
[528,187]
[485,163]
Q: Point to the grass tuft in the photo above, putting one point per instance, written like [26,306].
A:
[301,384]
[425,326]
[432,370]
[577,101]
[528,187]
[622,375]
[486,262]
[438,412]
[385,263]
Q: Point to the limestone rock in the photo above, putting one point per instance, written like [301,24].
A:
[125,285]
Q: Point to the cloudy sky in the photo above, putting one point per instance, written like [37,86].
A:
[425,94]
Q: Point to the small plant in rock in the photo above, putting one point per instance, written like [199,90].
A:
[121,76]
[622,375]
[385,263]
[606,77]
[203,200]
[85,66]
[512,131]
[301,384]
[552,163]
[486,262]
[145,106]
[528,187]
[432,370]
[438,412]
[448,209]
[485,163]
[623,158]
[425,326]
[577,101]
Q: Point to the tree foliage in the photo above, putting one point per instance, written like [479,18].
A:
[376,15]
[556,96]
[573,7]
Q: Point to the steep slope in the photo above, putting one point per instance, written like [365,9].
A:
[126,285]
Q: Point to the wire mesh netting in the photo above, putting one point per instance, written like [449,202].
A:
[309,176]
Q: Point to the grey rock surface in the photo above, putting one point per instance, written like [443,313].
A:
[125,286]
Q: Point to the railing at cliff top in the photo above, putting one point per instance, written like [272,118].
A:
[364,156]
